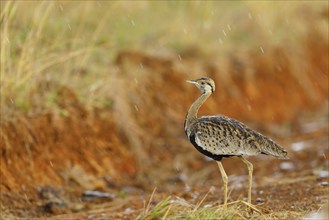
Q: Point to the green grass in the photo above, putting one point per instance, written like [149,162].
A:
[45,44]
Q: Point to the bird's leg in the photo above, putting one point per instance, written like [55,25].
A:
[224,177]
[250,170]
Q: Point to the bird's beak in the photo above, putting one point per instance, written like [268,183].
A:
[191,81]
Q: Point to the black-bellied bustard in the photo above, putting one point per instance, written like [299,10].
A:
[220,136]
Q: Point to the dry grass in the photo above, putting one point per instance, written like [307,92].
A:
[178,208]
[46,44]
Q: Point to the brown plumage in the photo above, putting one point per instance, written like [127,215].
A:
[220,136]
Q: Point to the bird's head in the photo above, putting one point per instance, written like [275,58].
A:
[205,84]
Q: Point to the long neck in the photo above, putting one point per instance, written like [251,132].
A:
[193,111]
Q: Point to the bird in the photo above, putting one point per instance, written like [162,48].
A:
[221,137]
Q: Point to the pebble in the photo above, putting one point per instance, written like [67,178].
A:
[287,166]
[298,146]
[324,174]
[324,183]
[260,200]
[56,208]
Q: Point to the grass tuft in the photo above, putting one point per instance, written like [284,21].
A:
[178,208]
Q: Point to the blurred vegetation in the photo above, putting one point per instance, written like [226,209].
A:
[49,43]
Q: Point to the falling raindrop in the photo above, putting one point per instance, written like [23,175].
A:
[136,108]
[69,26]
[179,57]
[229,27]
[7,39]
[51,163]
[249,107]
[61,7]
[249,16]
[206,25]
[224,32]
[141,66]
[270,32]
[135,80]
[116,69]
[279,68]
[220,40]
[132,22]
[261,49]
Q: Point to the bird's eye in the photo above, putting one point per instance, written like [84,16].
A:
[202,83]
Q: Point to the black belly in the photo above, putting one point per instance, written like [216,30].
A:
[205,152]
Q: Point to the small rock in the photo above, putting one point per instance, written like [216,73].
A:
[324,174]
[56,208]
[76,207]
[324,183]
[182,177]
[91,216]
[287,166]
[298,146]
[323,213]
[49,193]
[91,195]
[260,200]
[128,210]
[207,206]
[321,173]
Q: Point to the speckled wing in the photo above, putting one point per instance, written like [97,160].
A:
[222,136]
